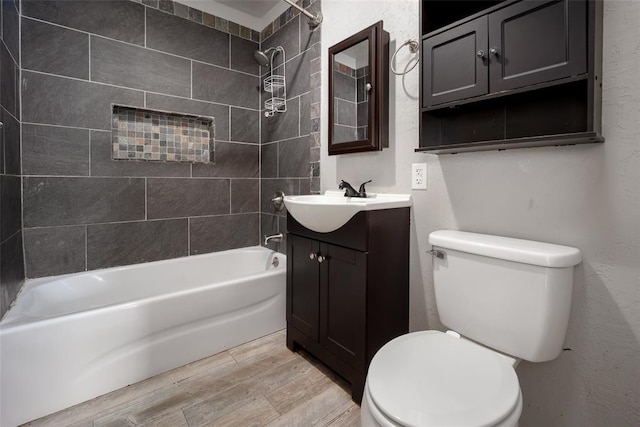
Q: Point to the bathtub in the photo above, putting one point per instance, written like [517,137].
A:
[72,338]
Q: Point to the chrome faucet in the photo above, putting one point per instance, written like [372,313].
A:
[349,191]
[275,237]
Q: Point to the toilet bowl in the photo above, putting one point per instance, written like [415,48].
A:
[431,378]
[511,297]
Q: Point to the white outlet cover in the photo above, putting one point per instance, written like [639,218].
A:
[419,176]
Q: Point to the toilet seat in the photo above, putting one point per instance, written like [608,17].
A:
[431,378]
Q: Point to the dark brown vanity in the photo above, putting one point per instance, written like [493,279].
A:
[507,74]
[348,290]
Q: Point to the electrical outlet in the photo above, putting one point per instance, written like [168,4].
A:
[419,176]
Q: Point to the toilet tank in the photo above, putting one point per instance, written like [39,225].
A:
[509,294]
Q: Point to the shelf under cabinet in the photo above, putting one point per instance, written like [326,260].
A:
[525,142]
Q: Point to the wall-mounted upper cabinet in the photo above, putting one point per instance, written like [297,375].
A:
[514,74]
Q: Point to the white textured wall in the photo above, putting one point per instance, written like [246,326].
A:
[582,196]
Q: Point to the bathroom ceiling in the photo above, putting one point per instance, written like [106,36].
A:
[257,8]
[255,14]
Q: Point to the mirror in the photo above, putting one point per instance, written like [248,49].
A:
[358,92]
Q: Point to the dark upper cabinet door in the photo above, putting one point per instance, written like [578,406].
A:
[537,41]
[303,290]
[343,278]
[455,63]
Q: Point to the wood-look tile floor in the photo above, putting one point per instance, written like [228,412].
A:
[255,384]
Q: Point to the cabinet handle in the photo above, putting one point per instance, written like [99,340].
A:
[321,258]
[312,255]
[480,54]
[494,51]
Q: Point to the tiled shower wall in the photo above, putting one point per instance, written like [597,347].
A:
[11,253]
[84,211]
[291,141]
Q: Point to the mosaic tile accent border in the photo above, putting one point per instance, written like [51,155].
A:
[204,18]
[285,17]
[139,134]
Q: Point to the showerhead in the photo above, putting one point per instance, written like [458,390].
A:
[264,58]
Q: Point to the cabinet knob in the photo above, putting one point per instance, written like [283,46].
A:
[494,51]
[368,87]
[312,256]
[321,258]
[480,54]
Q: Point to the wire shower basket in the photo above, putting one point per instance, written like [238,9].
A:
[276,84]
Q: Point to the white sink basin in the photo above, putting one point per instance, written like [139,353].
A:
[330,211]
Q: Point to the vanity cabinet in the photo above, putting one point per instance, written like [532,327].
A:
[348,290]
[507,74]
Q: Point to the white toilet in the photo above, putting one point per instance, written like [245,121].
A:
[509,299]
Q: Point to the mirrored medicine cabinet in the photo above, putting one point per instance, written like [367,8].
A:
[359,92]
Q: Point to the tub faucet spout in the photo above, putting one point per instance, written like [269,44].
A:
[275,237]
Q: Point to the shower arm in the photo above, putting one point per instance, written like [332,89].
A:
[314,20]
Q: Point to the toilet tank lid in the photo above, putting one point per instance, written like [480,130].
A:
[507,248]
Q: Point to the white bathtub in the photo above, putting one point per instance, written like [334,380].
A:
[72,338]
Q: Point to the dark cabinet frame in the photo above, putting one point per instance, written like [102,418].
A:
[343,309]
[552,105]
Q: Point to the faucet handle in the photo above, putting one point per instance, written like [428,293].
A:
[363,191]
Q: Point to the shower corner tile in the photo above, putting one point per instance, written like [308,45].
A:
[54,250]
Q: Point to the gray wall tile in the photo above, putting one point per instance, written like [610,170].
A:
[346,112]
[282,226]
[269,160]
[11,269]
[11,29]
[54,49]
[8,74]
[103,165]
[219,233]
[305,186]
[11,140]
[70,201]
[225,86]
[80,104]
[293,157]
[232,161]
[245,195]
[287,37]
[173,198]
[49,150]
[51,251]
[166,5]
[363,112]
[120,20]
[305,114]
[344,133]
[131,66]
[110,245]
[10,215]
[298,75]
[180,105]
[61,101]
[245,125]
[242,55]
[344,86]
[281,125]
[181,10]
[170,33]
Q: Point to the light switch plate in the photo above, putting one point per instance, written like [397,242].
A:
[419,176]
